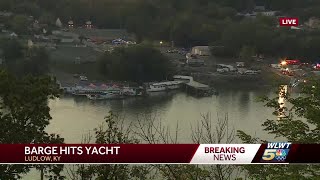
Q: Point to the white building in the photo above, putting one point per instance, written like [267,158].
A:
[201,50]
[59,23]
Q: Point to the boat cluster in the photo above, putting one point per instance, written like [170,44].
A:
[95,91]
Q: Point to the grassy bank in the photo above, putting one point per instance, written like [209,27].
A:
[87,69]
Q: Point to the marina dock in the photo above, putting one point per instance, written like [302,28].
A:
[195,88]
[197,85]
[190,86]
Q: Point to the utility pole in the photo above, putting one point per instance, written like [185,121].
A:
[41,173]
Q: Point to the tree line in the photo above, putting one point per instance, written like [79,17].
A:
[186,23]
[264,37]
[21,60]
[139,63]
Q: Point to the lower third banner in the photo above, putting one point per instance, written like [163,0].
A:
[271,153]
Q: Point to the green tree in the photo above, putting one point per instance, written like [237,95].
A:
[28,8]
[20,24]
[138,63]
[247,53]
[36,62]
[24,115]
[47,18]
[113,132]
[301,125]
[22,61]
[12,49]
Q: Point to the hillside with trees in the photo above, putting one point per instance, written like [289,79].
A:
[135,63]
[186,23]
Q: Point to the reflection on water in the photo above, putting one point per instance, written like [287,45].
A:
[73,117]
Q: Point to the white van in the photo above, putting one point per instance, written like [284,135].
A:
[251,72]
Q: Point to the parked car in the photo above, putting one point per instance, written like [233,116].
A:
[222,70]
[83,78]
[251,72]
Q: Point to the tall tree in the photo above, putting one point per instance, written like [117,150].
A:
[20,24]
[138,63]
[301,125]
[24,115]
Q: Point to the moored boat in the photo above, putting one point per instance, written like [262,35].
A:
[132,91]
[94,89]
[106,95]
[163,86]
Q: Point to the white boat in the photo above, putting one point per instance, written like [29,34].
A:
[163,86]
[84,92]
[132,91]
[106,95]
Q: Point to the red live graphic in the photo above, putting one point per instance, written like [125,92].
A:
[288,21]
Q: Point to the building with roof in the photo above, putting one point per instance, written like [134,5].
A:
[201,50]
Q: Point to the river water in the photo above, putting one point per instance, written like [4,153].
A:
[75,117]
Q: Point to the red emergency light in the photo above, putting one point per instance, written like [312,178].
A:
[293,62]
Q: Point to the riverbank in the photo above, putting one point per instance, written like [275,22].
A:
[267,78]
[207,74]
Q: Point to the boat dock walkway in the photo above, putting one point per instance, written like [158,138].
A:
[194,87]
[191,83]
[197,85]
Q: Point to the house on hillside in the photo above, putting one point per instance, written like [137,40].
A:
[201,50]
[70,24]
[88,25]
[313,23]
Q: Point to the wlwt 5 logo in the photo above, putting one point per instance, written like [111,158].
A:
[288,21]
[276,152]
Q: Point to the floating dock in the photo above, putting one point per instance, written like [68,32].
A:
[195,88]
[197,85]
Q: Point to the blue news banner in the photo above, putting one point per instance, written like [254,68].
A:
[284,152]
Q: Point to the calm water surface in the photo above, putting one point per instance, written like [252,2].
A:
[75,117]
